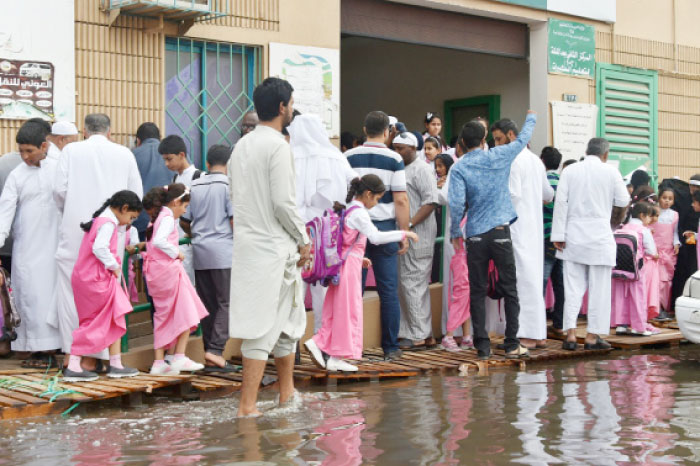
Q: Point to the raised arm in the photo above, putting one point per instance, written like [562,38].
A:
[507,152]
[283,194]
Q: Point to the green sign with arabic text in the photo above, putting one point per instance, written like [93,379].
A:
[571,48]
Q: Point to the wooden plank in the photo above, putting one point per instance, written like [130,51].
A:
[19,395]
[34,410]
[82,388]
[11,402]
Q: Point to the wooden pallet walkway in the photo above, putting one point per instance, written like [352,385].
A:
[25,392]
[668,337]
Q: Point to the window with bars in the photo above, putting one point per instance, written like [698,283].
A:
[627,104]
[209,87]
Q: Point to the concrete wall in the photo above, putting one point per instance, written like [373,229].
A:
[408,80]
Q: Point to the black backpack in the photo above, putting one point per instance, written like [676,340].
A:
[195,176]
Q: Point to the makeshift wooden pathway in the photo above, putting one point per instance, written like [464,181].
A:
[32,392]
[668,336]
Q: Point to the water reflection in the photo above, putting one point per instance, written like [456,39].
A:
[638,409]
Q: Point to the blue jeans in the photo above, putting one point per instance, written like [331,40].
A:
[385,263]
[554,268]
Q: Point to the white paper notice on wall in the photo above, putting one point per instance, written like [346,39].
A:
[573,125]
[314,73]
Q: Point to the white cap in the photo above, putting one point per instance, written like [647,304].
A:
[694,182]
[406,138]
[393,120]
[64,128]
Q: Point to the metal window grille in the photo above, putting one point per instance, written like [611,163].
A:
[209,87]
[627,102]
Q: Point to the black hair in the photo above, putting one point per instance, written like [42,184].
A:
[433,140]
[347,140]
[368,182]
[159,197]
[640,208]
[567,163]
[504,126]
[663,189]
[696,196]
[376,123]
[695,177]
[446,160]
[644,194]
[453,141]
[480,119]
[172,144]
[32,132]
[640,178]
[147,130]
[430,116]
[118,200]
[219,154]
[472,134]
[551,157]
[268,96]
[41,122]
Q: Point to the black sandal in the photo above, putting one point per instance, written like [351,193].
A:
[599,344]
[227,368]
[569,345]
[39,361]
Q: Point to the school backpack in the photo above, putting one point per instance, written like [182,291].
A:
[9,317]
[195,175]
[493,286]
[628,263]
[326,236]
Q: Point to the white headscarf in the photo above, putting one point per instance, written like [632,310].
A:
[322,171]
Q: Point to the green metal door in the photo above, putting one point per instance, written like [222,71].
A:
[209,87]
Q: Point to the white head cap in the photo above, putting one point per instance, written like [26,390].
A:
[406,138]
[393,120]
[64,128]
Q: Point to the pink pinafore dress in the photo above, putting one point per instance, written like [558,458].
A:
[663,237]
[458,288]
[177,305]
[629,300]
[100,299]
[341,330]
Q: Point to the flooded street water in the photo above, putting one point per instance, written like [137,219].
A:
[627,408]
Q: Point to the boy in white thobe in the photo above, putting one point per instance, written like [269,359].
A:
[88,173]
[529,188]
[27,207]
[581,232]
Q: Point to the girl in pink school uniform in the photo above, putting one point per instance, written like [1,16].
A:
[178,308]
[652,282]
[340,335]
[629,298]
[100,298]
[665,232]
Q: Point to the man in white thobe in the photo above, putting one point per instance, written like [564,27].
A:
[28,209]
[270,244]
[62,134]
[529,189]
[88,173]
[587,194]
[322,177]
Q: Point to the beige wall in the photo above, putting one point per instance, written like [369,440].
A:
[408,80]
[654,20]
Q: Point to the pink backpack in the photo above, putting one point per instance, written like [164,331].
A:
[629,260]
[326,235]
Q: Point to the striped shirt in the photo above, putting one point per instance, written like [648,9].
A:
[377,159]
[548,209]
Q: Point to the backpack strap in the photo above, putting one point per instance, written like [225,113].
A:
[357,238]
[196,174]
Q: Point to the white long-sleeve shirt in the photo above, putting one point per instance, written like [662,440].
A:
[360,220]
[100,248]
[647,238]
[666,217]
[160,236]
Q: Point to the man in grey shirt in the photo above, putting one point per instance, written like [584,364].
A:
[209,221]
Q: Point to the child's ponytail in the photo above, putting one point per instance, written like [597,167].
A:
[160,196]
[355,186]
[369,182]
[118,200]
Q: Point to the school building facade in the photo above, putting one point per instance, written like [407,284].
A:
[191,65]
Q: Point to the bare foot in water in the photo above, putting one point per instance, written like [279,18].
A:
[244,412]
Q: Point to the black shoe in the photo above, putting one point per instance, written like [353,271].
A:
[599,344]
[393,355]
[82,376]
[501,346]
[484,355]
[569,345]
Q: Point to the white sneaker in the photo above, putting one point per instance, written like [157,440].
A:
[334,365]
[315,352]
[622,330]
[164,369]
[186,365]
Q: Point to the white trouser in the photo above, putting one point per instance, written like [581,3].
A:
[318,296]
[597,279]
